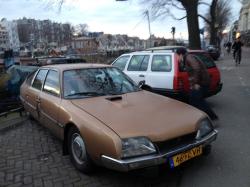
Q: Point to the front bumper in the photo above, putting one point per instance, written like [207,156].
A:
[153,160]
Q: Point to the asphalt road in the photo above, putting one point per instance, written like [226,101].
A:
[229,163]
[31,156]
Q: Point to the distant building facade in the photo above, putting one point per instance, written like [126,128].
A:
[13,38]
[244,22]
[3,38]
[85,44]
[43,33]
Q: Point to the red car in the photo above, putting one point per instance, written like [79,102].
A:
[204,57]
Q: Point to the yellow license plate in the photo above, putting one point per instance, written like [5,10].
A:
[182,157]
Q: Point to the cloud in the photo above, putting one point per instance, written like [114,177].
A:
[109,16]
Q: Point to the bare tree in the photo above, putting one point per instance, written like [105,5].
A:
[81,29]
[217,19]
[53,4]
[162,8]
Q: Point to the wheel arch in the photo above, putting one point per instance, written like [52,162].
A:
[65,137]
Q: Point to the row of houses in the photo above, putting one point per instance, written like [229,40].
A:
[36,35]
[118,42]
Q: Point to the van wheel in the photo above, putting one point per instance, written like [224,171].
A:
[77,151]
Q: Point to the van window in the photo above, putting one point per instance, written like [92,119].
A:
[206,60]
[121,62]
[40,77]
[161,63]
[138,63]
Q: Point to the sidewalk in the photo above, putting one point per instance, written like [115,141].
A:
[11,120]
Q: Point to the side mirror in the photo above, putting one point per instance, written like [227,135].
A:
[141,84]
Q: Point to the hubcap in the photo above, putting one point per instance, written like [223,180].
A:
[78,148]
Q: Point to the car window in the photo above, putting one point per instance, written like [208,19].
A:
[138,63]
[206,60]
[121,62]
[30,78]
[162,63]
[40,77]
[96,82]
[52,83]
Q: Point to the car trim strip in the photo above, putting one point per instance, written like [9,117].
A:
[52,119]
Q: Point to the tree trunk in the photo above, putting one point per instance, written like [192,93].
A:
[213,27]
[191,7]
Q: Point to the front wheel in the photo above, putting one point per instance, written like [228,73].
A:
[78,153]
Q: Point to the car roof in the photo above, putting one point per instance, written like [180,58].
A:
[197,51]
[166,47]
[148,52]
[63,67]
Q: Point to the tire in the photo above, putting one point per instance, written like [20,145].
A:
[77,151]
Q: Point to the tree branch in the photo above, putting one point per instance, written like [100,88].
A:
[203,3]
[176,6]
[205,19]
[178,18]
[60,4]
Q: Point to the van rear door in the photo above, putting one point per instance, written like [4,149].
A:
[161,72]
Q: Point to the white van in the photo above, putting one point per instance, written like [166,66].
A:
[161,72]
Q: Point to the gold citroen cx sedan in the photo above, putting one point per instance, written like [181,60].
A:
[104,119]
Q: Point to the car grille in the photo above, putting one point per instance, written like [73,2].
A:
[168,145]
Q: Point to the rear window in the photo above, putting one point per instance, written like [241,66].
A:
[161,63]
[40,77]
[138,63]
[206,60]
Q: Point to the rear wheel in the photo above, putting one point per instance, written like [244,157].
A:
[78,152]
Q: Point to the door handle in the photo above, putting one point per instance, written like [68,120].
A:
[38,100]
[141,75]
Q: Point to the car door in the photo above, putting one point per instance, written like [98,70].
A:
[32,95]
[161,73]
[137,68]
[50,101]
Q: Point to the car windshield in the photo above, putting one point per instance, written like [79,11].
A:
[206,60]
[92,82]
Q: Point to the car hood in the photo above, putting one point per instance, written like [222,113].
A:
[143,114]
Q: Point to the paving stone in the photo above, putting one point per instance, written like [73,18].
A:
[27,180]
[31,156]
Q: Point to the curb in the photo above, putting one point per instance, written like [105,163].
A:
[12,123]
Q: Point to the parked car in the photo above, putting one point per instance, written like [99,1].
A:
[161,72]
[213,51]
[10,83]
[59,60]
[104,119]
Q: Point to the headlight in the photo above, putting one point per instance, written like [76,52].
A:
[205,127]
[137,146]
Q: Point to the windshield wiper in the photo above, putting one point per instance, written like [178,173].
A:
[85,94]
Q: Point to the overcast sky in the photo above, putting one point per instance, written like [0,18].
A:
[108,16]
